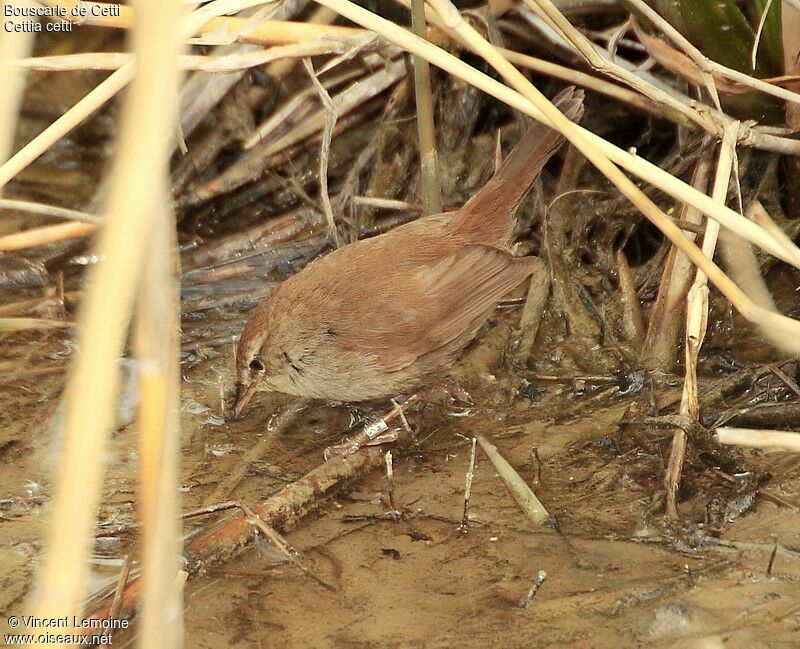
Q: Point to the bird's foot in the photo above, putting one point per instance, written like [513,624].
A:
[353,444]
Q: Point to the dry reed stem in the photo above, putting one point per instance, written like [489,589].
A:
[47,210]
[44,235]
[696,323]
[12,81]
[426,131]
[222,63]
[789,328]
[227,28]
[569,75]
[141,165]
[711,120]
[771,439]
[666,316]
[628,161]
[8,325]
[156,348]
[550,14]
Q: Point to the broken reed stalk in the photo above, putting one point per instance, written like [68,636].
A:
[530,505]
[426,130]
[660,348]
[769,439]
[157,350]
[139,171]
[600,152]
[696,321]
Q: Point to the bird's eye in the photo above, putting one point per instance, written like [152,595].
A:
[256,365]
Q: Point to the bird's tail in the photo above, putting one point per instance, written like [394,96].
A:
[487,216]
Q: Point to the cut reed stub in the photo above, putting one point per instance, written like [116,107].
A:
[768,439]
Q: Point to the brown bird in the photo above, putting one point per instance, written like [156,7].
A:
[377,317]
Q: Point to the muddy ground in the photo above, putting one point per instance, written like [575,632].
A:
[615,572]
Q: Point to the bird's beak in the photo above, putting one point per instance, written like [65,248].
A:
[243,395]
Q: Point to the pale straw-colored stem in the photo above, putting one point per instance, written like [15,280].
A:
[771,439]
[146,141]
[628,161]
[696,323]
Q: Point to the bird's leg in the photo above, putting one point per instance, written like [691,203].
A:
[375,433]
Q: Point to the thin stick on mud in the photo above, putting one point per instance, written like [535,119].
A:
[281,511]
[464,527]
[393,511]
[535,586]
[119,589]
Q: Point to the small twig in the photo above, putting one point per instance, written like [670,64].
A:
[393,511]
[331,115]
[535,586]
[464,526]
[116,604]
[47,210]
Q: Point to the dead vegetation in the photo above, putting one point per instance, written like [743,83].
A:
[666,329]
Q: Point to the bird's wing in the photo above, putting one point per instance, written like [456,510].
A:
[442,300]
